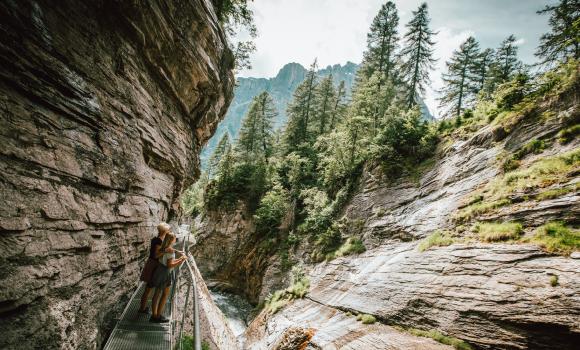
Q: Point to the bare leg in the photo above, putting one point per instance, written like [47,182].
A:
[155,304]
[144,298]
[162,302]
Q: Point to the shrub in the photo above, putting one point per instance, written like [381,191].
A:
[494,232]
[436,239]
[554,280]
[556,237]
[557,192]
[439,337]
[352,245]
[272,209]
[510,164]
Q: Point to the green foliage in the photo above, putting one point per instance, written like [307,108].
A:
[366,318]
[235,15]
[495,232]
[436,239]
[461,81]
[417,53]
[192,200]
[255,138]
[556,237]
[568,134]
[564,39]
[554,280]
[272,209]
[404,141]
[352,245]
[297,290]
[535,146]
[441,338]
[187,343]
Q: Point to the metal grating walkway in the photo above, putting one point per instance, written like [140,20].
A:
[134,331]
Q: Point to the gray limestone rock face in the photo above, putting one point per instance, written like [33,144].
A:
[104,106]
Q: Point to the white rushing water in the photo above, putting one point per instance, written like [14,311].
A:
[236,310]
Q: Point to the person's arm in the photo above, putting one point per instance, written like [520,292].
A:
[175,262]
[157,251]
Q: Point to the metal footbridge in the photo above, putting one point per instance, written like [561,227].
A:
[134,331]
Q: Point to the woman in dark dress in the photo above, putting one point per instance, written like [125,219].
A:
[155,253]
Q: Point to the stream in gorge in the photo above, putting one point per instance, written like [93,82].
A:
[236,309]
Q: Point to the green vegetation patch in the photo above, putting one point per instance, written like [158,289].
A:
[436,239]
[366,318]
[479,208]
[535,146]
[554,281]
[187,343]
[569,134]
[441,338]
[496,232]
[556,237]
[352,245]
[300,286]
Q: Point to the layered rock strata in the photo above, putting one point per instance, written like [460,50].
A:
[104,106]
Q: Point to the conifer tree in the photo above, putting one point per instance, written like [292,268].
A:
[459,79]
[382,43]
[325,96]
[506,63]
[217,154]
[563,40]
[300,110]
[417,53]
[339,105]
[481,68]
[256,132]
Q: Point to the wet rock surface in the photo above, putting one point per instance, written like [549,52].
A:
[104,107]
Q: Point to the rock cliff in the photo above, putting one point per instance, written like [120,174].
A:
[104,107]
[491,295]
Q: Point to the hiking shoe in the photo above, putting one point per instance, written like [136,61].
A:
[162,319]
[153,319]
[144,311]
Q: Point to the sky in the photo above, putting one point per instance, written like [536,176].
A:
[334,31]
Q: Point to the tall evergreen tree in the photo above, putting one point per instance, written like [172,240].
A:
[459,79]
[382,43]
[256,132]
[418,53]
[506,62]
[339,105]
[300,110]
[325,96]
[217,154]
[563,40]
[481,68]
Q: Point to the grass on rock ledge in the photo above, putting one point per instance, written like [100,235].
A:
[550,172]
[496,232]
[298,289]
[366,318]
[436,239]
[556,237]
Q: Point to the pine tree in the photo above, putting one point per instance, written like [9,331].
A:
[382,43]
[300,110]
[217,154]
[506,62]
[564,39]
[325,96]
[459,79]
[481,68]
[339,105]
[417,53]
[256,132]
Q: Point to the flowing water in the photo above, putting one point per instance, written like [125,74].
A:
[236,309]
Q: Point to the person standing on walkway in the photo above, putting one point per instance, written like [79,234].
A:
[155,253]
[163,277]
